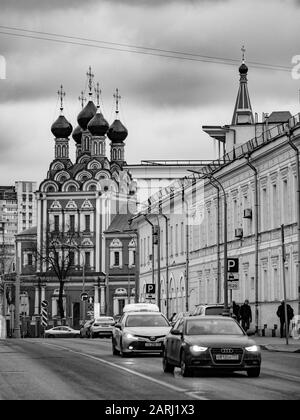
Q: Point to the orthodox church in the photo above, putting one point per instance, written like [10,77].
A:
[76,204]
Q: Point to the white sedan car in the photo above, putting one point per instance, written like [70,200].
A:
[62,332]
[140,332]
[102,327]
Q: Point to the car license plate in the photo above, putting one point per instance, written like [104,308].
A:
[152,344]
[227,357]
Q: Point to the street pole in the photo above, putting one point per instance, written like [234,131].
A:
[17,299]
[256,205]
[288,132]
[167,262]
[284,286]
[83,286]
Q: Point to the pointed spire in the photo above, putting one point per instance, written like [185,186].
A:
[243,111]
[90,81]
[61,95]
[82,98]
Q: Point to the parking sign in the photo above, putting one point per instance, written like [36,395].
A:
[150,289]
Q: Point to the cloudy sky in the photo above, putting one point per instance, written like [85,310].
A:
[165,101]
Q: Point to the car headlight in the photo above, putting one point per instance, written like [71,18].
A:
[197,349]
[252,349]
[130,336]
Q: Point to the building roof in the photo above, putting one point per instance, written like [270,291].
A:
[31,231]
[278,117]
[120,223]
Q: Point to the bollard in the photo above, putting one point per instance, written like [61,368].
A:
[274,330]
[263,333]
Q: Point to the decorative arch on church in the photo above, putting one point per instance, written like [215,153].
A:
[83,176]
[49,186]
[104,174]
[57,166]
[84,159]
[90,185]
[94,164]
[70,185]
[62,176]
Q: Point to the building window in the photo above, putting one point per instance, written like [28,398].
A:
[116,259]
[71,258]
[56,223]
[72,223]
[176,239]
[87,222]
[24,197]
[87,259]
[29,256]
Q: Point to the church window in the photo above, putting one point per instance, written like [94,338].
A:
[114,154]
[56,223]
[116,259]
[119,154]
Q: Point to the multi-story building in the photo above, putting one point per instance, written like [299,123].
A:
[25,191]
[8,227]
[192,268]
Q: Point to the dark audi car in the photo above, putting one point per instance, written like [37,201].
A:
[211,342]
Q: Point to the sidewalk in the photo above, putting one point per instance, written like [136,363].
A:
[278,344]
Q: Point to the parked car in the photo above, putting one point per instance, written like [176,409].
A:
[85,330]
[102,327]
[62,332]
[210,342]
[140,332]
[204,310]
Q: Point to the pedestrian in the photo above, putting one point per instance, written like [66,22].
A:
[281,315]
[246,315]
[236,311]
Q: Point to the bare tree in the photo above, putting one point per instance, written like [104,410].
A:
[57,253]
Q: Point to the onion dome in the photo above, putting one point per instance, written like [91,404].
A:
[77,134]
[61,128]
[243,69]
[117,132]
[86,114]
[98,125]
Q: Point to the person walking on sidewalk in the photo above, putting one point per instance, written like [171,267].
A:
[246,315]
[281,315]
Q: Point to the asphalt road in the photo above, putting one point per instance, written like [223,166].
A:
[72,369]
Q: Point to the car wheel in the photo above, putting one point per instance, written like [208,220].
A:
[185,371]
[253,373]
[167,367]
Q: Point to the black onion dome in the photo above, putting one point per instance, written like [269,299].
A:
[243,69]
[77,134]
[98,125]
[61,128]
[117,132]
[86,114]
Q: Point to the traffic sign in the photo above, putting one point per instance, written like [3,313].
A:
[84,296]
[45,304]
[233,285]
[150,288]
[44,316]
[233,265]
[233,277]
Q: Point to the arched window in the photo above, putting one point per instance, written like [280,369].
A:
[119,154]
[95,148]
[101,149]
[114,154]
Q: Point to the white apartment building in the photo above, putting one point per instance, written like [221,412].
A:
[189,275]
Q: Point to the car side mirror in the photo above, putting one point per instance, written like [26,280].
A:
[117,325]
[175,332]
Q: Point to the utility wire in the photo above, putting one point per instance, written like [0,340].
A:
[147,51]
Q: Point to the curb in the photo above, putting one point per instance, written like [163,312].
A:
[271,349]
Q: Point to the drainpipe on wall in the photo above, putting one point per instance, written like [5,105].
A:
[256,205]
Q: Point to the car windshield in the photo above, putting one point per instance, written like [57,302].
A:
[104,321]
[213,327]
[214,310]
[146,320]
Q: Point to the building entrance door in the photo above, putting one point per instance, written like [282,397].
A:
[121,303]
[76,315]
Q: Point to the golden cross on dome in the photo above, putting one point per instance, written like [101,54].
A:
[243,49]
[98,93]
[81,98]
[61,95]
[90,77]
[117,98]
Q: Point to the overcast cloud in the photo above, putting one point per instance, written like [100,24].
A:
[165,101]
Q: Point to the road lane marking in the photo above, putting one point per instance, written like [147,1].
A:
[132,372]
